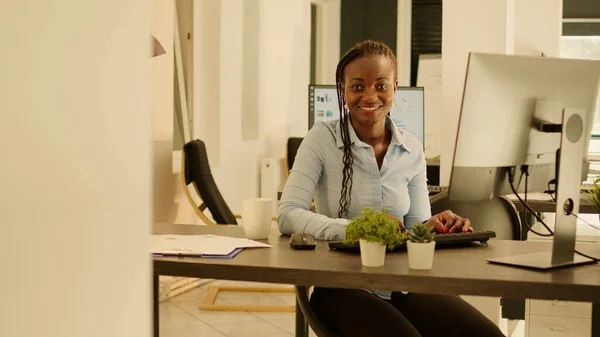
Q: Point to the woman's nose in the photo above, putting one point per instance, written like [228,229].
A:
[369,94]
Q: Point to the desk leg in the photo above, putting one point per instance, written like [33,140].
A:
[595,319]
[155,304]
[301,324]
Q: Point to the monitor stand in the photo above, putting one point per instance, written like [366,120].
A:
[567,202]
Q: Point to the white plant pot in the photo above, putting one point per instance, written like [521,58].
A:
[372,254]
[420,255]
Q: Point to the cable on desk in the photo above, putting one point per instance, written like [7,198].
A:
[512,186]
[587,223]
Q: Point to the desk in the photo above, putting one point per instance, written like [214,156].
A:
[541,202]
[323,267]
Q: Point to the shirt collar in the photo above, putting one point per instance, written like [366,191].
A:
[397,135]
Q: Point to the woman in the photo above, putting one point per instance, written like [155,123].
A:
[364,160]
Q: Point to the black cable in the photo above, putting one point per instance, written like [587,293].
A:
[512,186]
[550,191]
[526,172]
[587,223]
[585,255]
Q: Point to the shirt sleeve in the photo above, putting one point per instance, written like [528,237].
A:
[293,214]
[420,209]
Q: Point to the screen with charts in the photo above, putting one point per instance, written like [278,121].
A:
[407,112]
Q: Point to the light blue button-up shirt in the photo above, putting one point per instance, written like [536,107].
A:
[400,186]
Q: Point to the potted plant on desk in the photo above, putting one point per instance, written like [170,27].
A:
[593,194]
[420,247]
[374,231]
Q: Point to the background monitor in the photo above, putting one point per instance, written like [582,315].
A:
[407,112]
[516,112]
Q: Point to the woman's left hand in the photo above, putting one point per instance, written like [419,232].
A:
[448,222]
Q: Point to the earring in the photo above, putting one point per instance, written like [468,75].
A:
[346,106]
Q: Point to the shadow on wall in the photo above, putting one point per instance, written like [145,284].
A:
[164,180]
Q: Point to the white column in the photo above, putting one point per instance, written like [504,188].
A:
[403,41]
[538,27]
[75,178]
[207,80]
[468,26]
[328,40]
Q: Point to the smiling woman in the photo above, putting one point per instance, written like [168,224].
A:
[369,67]
[364,149]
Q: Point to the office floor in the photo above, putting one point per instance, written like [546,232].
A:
[180,316]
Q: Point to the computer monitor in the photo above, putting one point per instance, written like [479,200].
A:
[407,112]
[516,112]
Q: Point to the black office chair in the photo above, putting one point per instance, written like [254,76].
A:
[310,316]
[499,215]
[292,149]
[195,170]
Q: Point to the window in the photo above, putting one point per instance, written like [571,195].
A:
[586,47]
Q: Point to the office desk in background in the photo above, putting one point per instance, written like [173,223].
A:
[455,271]
[541,202]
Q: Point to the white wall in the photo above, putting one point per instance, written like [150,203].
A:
[526,27]
[467,26]
[162,70]
[283,61]
[75,180]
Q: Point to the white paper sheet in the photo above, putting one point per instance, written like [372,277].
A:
[200,244]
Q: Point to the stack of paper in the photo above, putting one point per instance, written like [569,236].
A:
[201,245]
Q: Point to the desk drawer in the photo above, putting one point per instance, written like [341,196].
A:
[561,308]
[552,326]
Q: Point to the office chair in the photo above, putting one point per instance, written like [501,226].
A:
[310,316]
[499,215]
[195,170]
[292,149]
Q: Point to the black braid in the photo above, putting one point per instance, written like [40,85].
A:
[365,48]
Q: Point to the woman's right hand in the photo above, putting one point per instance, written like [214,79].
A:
[400,224]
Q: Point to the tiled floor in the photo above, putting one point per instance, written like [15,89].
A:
[180,317]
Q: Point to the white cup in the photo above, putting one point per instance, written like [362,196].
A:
[256,216]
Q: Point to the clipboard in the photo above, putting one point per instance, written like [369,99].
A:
[201,246]
[182,254]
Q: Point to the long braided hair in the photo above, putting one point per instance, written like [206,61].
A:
[362,49]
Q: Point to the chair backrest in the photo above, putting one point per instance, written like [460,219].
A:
[292,149]
[499,214]
[197,171]
[310,316]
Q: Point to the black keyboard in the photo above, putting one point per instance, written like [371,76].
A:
[443,240]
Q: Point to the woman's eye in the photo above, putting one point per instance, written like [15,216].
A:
[382,86]
[357,87]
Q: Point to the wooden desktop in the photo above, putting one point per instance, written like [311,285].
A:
[456,271]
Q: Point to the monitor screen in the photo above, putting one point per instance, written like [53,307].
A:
[407,112]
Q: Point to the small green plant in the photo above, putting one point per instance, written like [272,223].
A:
[420,233]
[374,226]
[593,194]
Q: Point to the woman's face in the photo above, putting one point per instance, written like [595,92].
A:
[369,86]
